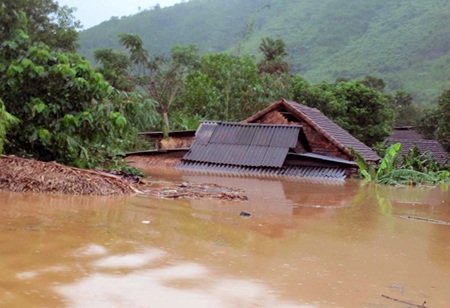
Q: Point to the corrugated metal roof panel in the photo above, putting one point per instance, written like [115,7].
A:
[222,134]
[196,152]
[233,154]
[218,153]
[204,132]
[274,157]
[263,136]
[291,172]
[285,136]
[246,134]
[243,144]
[254,156]
[231,132]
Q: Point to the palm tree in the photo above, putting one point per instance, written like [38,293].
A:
[274,53]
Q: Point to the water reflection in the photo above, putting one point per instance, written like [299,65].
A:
[305,244]
[158,283]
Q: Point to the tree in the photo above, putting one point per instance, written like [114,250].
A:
[428,122]
[407,114]
[317,96]
[435,121]
[157,77]
[374,82]
[64,105]
[363,111]
[443,129]
[229,88]
[274,52]
[114,68]
[42,20]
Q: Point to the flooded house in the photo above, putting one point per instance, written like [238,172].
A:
[285,139]
[409,138]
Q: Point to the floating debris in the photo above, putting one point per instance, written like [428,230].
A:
[245,214]
[425,219]
[190,190]
[404,302]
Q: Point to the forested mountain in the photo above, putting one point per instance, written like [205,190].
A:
[404,42]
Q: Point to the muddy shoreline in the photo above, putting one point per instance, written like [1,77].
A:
[26,175]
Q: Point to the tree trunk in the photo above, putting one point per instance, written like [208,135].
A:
[166,123]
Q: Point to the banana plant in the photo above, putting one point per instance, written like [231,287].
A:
[390,172]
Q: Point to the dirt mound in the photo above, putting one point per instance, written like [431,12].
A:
[22,175]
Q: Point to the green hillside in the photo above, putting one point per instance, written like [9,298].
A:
[407,43]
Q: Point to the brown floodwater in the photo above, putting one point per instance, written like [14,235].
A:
[306,244]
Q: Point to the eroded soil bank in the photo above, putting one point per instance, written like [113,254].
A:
[26,175]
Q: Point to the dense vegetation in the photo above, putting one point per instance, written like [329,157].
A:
[414,168]
[435,122]
[406,43]
[53,104]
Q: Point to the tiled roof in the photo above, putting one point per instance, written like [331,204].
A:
[255,145]
[409,138]
[333,132]
[326,127]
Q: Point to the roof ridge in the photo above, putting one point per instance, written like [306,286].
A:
[304,106]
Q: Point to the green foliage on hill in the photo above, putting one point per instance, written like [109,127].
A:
[406,43]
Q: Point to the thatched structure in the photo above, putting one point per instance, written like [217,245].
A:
[26,175]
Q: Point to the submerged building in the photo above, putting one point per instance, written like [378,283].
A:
[410,138]
[285,139]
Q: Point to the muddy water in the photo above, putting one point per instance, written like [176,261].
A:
[304,245]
